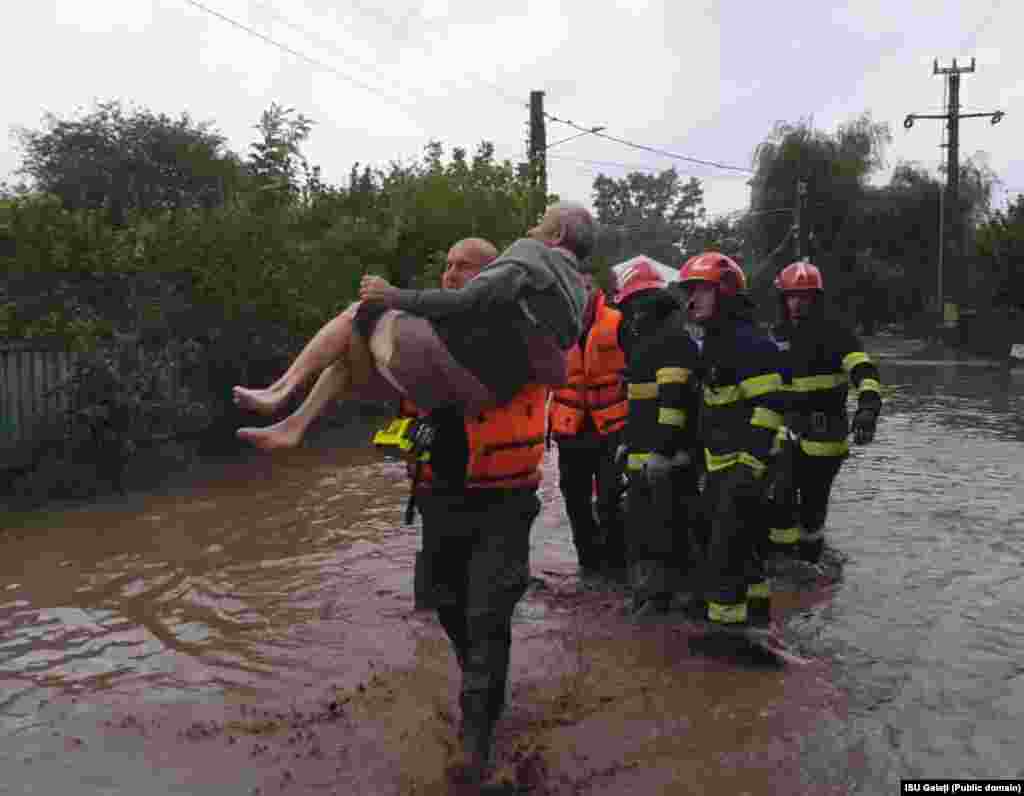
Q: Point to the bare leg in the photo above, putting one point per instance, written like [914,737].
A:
[328,345]
[333,383]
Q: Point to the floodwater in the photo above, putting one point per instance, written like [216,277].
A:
[254,633]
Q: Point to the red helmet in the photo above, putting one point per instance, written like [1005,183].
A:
[799,276]
[716,268]
[635,277]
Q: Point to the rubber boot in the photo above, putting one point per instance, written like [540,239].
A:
[476,732]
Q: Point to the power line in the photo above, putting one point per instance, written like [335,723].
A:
[638,166]
[655,150]
[309,59]
[328,45]
[387,19]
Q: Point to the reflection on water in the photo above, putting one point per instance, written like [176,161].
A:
[292,568]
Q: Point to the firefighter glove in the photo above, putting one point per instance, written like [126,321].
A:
[863,426]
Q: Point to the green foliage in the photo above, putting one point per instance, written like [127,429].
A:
[121,160]
[650,214]
[1000,242]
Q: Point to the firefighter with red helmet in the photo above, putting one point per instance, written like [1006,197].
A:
[660,436]
[825,360]
[741,414]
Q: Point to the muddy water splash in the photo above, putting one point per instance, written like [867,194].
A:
[256,631]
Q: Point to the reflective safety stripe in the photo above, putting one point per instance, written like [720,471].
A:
[642,390]
[784,535]
[813,383]
[636,461]
[672,375]
[766,418]
[855,358]
[760,385]
[759,591]
[727,614]
[720,462]
[672,417]
[814,448]
[720,396]
[870,385]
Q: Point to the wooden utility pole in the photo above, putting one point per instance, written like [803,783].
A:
[538,153]
[800,226]
[951,217]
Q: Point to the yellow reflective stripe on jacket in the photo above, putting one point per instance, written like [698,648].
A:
[642,390]
[672,417]
[761,385]
[672,375]
[853,359]
[759,591]
[636,461]
[784,535]
[721,396]
[812,383]
[727,614]
[870,385]
[766,418]
[814,448]
[721,461]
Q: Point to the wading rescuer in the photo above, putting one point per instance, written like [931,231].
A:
[741,415]
[464,261]
[477,495]
[586,420]
[661,445]
[824,358]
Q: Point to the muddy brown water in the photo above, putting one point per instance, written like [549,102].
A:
[253,632]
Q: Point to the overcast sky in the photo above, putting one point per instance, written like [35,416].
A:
[703,79]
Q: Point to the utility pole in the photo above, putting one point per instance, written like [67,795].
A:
[800,228]
[538,153]
[951,217]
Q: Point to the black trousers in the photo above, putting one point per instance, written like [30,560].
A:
[813,477]
[476,550]
[737,527]
[582,461]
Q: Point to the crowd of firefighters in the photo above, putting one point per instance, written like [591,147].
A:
[713,445]
[730,437]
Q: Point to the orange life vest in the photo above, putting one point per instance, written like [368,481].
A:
[595,380]
[506,445]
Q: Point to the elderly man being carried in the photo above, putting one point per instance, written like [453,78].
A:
[473,348]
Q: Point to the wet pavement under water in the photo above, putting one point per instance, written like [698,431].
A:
[254,632]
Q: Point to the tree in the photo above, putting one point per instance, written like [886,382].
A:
[1000,246]
[276,160]
[835,168]
[653,214]
[121,160]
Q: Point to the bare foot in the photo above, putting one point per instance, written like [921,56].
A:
[265,401]
[278,436]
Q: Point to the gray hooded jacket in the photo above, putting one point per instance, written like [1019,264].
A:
[544,282]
